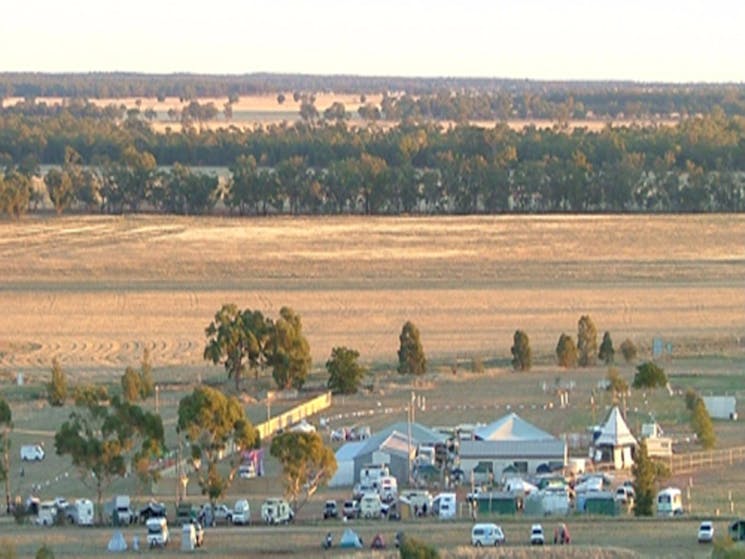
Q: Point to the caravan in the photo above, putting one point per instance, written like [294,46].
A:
[444,506]
[669,502]
[80,512]
[276,511]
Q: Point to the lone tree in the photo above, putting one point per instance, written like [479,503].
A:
[587,342]
[147,384]
[131,385]
[628,350]
[345,373]
[566,352]
[649,375]
[99,436]
[288,351]
[521,354]
[607,353]
[307,463]
[702,425]
[411,360]
[210,420]
[57,388]
[236,339]
[645,477]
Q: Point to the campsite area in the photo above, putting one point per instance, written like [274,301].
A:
[93,292]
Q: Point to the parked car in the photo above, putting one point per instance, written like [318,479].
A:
[706,532]
[351,509]
[222,514]
[487,534]
[242,512]
[330,510]
[536,535]
[247,471]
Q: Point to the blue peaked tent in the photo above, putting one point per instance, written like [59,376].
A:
[350,539]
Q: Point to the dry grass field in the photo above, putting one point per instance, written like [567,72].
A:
[94,291]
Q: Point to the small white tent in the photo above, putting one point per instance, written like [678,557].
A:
[117,542]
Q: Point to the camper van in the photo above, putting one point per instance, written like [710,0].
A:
[32,453]
[157,532]
[371,506]
[80,512]
[241,512]
[487,534]
[444,505]
[669,502]
[276,511]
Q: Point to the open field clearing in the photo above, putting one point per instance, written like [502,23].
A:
[93,291]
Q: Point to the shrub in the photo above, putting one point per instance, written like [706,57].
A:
[412,548]
[521,353]
[566,352]
[649,375]
[628,350]
[616,383]
[44,552]
[477,365]
[702,425]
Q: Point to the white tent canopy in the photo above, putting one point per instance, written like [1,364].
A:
[615,432]
[511,427]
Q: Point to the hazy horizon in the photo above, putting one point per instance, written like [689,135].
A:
[575,40]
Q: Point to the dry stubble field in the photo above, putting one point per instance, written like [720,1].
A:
[92,291]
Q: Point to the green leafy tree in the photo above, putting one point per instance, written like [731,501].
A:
[6,427]
[345,373]
[691,398]
[60,189]
[411,359]
[521,354]
[702,425]
[307,463]
[566,352]
[131,385]
[645,478]
[147,384]
[607,353]
[649,375]
[587,342]
[99,436]
[211,422]
[236,339]
[57,388]
[288,350]
[628,350]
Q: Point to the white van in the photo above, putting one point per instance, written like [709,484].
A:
[444,505]
[388,490]
[371,506]
[487,534]
[669,502]
[47,513]
[157,532]
[32,453]
[241,512]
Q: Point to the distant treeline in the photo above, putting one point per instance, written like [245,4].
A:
[440,98]
[111,160]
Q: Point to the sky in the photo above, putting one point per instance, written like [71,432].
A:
[649,41]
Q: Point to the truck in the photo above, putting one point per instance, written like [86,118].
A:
[121,511]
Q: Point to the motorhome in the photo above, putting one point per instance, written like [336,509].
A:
[669,502]
[388,489]
[122,512]
[444,506]
[276,511]
[80,512]
[371,474]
